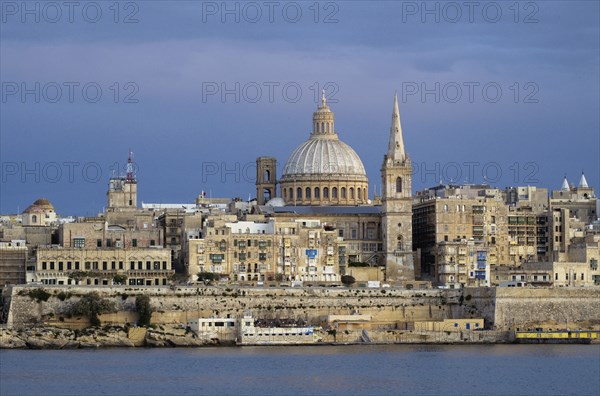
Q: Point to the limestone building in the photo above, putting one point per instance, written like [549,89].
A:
[324,179]
[66,266]
[269,250]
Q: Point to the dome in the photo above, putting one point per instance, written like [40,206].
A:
[324,170]
[44,203]
[39,206]
[326,156]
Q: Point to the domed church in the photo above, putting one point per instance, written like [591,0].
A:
[323,170]
[325,179]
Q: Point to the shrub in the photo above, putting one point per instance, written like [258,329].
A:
[91,305]
[39,294]
[348,280]
[62,296]
[208,277]
[144,309]
[119,279]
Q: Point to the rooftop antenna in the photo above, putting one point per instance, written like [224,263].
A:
[130,176]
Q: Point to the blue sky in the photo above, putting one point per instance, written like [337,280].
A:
[504,93]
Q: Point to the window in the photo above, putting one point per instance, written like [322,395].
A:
[291,193]
[51,265]
[44,265]
[334,192]
[120,265]
[325,192]
[299,193]
[134,242]
[343,192]
[108,243]
[317,193]
[398,184]
[113,265]
[307,193]
[60,266]
[98,242]
[132,265]
[359,193]
[77,265]
[104,265]
[556,276]
[79,242]
[152,242]
[351,192]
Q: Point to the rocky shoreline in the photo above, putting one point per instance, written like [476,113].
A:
[45,337]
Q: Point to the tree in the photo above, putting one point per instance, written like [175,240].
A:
[208,277]
[91,305]
[119,279]
[348,280]
[142,305]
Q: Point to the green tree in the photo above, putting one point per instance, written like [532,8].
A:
[348,280]
[144,309]
[119,279]
[91,305]
[208,277]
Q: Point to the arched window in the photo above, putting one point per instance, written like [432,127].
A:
[325,192]
[284,193]
[267,194]
[399,244]
[267,175]
[365,194]
[334,192]
[359,193]
[291,193]
[322,127]
[446,208]
[299,193]
[34,219]
[398,184]
[343,192]
[307,193]
[351,192]
[317,193]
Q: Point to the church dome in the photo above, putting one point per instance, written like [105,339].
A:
[324,170]
[328,156]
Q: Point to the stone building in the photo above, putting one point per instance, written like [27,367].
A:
[324,179]
[65,266]
[462,263]
[40,213]
[252,251]
[13,260]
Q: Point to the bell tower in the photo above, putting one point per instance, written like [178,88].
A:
[266,179]
[122,190]
[396,177]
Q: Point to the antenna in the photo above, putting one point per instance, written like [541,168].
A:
[130,175]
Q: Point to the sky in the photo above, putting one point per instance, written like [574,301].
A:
[500,92]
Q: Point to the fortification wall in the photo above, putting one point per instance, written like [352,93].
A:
[502,308]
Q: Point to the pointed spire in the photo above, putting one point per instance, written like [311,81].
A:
[583,182]
[396,145]
[323,99]
[565,184]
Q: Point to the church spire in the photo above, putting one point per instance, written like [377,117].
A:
[396,145]
[583,181]
[565,184]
